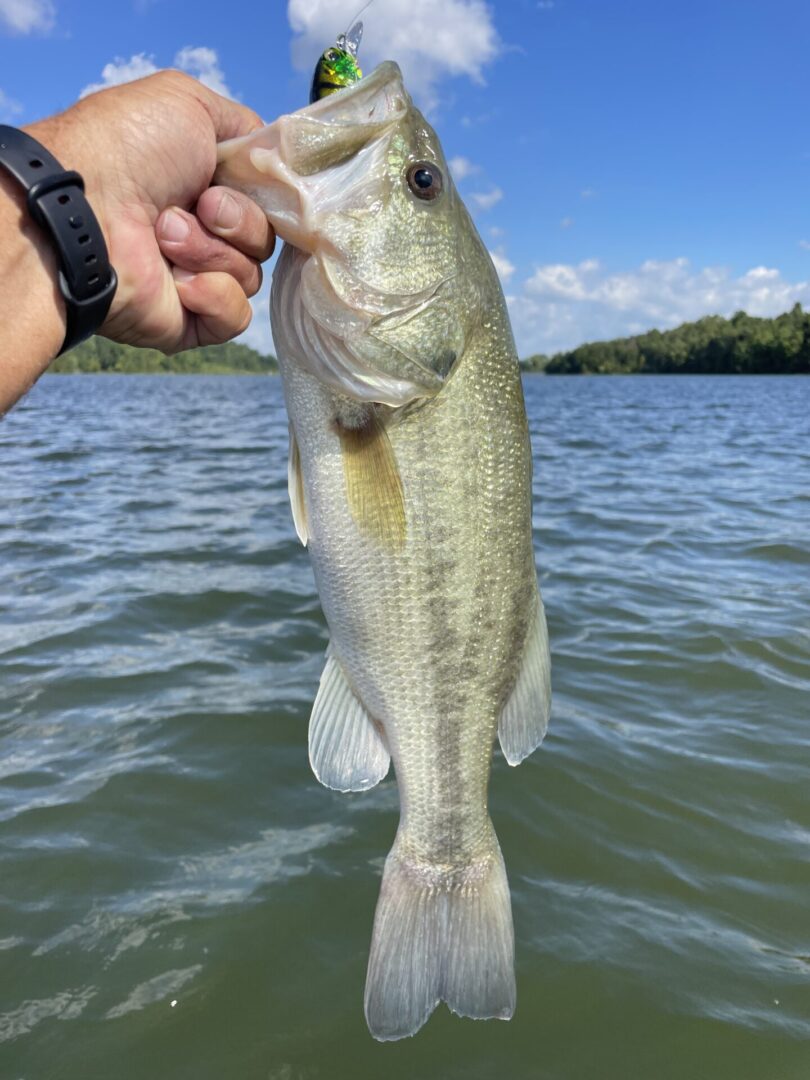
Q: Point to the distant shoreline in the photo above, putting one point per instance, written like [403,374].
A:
[179,374]
[741,345]
[100,356]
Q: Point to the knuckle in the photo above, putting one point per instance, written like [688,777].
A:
[270,245]
[255,282]
[172,78]
[247,315]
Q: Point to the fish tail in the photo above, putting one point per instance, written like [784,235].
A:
[440,936]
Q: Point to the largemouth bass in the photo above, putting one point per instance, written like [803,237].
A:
[410,483]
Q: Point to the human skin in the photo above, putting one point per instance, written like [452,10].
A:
[187,255]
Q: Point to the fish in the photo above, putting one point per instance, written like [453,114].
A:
[410,481]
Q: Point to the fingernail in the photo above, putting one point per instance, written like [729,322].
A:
[183,275]
[229,212]
[174,227]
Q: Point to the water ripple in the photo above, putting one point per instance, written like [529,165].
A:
[162,839]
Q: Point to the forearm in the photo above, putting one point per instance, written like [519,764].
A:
[186,255]
[32,312]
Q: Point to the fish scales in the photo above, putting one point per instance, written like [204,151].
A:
[441,627]
[397,358]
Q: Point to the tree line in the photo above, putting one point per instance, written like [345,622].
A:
[98,354]
[741,345]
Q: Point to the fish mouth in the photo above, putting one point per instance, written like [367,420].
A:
[301,164]
[378,98]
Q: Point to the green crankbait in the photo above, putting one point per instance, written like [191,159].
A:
[337,67]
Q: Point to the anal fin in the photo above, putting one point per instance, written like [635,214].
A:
[524,720]
[346,750]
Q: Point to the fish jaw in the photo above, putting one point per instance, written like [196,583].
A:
[305,164]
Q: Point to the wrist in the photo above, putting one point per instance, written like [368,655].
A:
[56,282]
[29,291]
[65,137]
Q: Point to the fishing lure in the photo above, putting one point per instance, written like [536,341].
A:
[337,67]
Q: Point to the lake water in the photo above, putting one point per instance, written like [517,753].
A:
[180,900]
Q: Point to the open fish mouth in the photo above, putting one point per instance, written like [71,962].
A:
[320,159]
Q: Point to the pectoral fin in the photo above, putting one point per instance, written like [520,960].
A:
[295,488]
[524,720]
[373,484]
[346,749]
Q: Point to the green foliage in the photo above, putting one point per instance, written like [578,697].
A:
[98,354]
[538,362]
[742,345]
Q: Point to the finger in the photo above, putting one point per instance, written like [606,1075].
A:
[230,118]
[238,219]
[184,242]
[221,307]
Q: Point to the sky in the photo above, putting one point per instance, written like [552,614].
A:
[629,164]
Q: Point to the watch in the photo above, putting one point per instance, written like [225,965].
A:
[56,201]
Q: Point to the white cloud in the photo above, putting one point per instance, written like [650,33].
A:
[485,200]
[561,305]
[428,40]
[199,61]
[587,193]
[566,223]
[203,64]
[504,267]
[805,244]
[120,71]
[28,16]
[461,168]
[9,108]
[545,5]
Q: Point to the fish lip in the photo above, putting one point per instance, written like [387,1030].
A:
[386,75]
[364,110]
[344,108]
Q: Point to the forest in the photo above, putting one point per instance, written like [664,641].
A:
[98,354]
[741,345]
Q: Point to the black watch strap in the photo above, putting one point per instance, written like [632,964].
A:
[56,201]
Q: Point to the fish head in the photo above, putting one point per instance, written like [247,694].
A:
[389,268]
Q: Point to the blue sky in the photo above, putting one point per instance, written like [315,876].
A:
[629,164]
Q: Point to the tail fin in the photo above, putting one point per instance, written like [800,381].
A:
[439,938]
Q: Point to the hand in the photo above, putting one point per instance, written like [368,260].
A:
[187,256]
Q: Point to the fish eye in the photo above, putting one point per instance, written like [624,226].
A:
[425,179]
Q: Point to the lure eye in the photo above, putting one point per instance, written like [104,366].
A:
[331,55]
[425,180]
